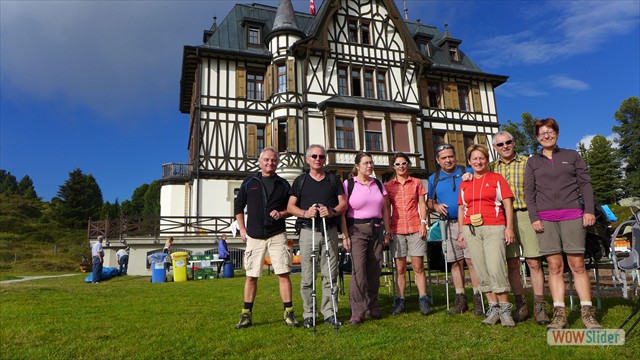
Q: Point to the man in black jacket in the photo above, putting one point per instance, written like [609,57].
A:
[265,195]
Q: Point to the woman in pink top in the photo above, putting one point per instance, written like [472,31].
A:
[362,226]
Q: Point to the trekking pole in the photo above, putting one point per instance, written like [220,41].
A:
[333,294]
[443,233]
[313,270]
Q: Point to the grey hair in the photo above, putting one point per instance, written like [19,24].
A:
[100,238]
[502,132]
[313,146]
[269,148]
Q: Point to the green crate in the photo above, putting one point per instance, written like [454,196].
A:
[197,257]
[208,257]
[198,277]
[209,276]
[208,270]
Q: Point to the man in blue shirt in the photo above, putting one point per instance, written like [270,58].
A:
[443,199]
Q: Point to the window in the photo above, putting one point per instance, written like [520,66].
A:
[425,49]
[356,86]
[353,31]
[368,84]
[345,138]
[463,97]
[282,78]
[453,53]
[255,83]
[282,135]
[253,35]
[433,90]
[260,139]
[364,34]
[468,139]
[438,139]
[373,135]
[343,87]
[382,85]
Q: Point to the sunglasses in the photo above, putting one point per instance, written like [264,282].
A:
[404,163]
[508,142]
[444,147]
[316,156]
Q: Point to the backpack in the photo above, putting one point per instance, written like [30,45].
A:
[335,183]
[436,178]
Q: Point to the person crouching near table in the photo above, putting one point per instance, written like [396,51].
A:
[486,207]
[366,216]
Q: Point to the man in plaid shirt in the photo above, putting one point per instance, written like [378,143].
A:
[511,166]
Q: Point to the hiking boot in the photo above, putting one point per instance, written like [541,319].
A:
[245,319]
[308,322]
[559,320]
[540,312]
[522,310]
[493,315]
[375,314]
[398,307]
[425,305]
[335,322]
[477,304]
[290,318]
[505,315]
[589,318]
[355,320]
[460,306]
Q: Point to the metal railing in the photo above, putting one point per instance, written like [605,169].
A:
[176,170]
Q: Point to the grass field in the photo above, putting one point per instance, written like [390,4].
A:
[130,318]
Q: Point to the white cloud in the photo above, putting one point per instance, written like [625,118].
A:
[516,89]
[560,30]
[565,82]
[586,140]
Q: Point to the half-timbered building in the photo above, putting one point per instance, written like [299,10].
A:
[356,76]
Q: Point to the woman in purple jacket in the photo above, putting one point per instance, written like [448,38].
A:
[559,197]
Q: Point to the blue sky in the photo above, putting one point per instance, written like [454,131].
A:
[95,84]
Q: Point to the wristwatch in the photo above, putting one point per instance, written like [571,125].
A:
[424,222]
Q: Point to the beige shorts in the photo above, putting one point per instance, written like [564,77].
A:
[454,251]
[525,237]
[404,245]
[281,257]
[562,236]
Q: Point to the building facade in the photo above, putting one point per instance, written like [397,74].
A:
[355,76]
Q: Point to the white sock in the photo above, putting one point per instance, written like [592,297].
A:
[459,291]
[586,303]
[475,290]
[558,304]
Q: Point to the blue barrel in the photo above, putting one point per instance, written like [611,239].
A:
[228,270]
[158,273]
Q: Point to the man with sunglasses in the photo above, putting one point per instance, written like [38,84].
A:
[511,166]
[443,199]
[318,194]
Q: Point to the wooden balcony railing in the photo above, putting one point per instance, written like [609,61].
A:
[176,171]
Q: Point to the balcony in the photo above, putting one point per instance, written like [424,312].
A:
[176,171]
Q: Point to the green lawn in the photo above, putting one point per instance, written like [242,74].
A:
[128,317]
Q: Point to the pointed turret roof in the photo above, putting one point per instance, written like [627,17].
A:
[285,17]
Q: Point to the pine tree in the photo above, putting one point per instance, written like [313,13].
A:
[523,133]
[79,199]
[604,169]
[628,115]
[26,189]
[8,183]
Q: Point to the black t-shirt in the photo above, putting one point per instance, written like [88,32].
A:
[324,192]
[269,183]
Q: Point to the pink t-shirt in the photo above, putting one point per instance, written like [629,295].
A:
[365,202]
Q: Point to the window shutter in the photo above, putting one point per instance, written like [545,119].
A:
[400,136]
[477,102]
[274,127]
[291,84]
[423,93]
[331,129]
[268,83]
[241,82]
[451,96]
[252,140]
[429,151]
[457,140]
[291,134]
[268,139]
[482,140]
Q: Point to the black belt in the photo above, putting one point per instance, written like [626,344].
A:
[371,221]
[525,209]
[309,227]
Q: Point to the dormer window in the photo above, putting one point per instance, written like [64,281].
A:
[254,35]
[453,53]
[425,49]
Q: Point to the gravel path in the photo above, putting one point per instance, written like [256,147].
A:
[27,278]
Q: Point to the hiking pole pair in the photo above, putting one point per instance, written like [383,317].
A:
[443,234]
[314,269]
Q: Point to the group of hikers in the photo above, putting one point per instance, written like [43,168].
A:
[493,213]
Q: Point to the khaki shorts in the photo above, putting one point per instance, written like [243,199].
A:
[281,257]
[562,236]
[454,251]
[525,237]
[404,245]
